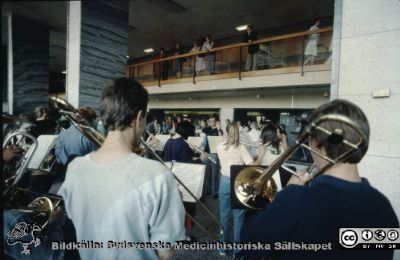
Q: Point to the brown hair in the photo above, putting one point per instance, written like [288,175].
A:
[350,110]
[121,102]
[87,113]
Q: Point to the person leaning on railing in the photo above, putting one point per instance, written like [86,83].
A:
[248,37]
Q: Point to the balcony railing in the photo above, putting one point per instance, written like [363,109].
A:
[284,51]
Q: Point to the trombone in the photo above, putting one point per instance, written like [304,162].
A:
[76,119]
[73,116]
[255,184]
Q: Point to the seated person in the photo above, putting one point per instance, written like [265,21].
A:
[72,143]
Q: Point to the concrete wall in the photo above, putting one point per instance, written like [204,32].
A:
[369,60]
[30,46]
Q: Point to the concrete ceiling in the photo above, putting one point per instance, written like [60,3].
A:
[158,23]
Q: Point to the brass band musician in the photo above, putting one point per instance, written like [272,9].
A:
[115,195]
[338,198]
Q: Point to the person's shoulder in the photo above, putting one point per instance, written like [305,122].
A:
[150,168]
[294,193]
[78,162]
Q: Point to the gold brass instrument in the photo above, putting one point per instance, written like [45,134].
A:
[214,218]
[255,184]
[73,116]
[41,208]
[17,136]
[197,150]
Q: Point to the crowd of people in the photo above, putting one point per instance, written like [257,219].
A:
[112,194]
[205,62]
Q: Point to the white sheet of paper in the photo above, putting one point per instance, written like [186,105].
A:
[194,140]
[45,144]
[213,141]
[163,140]
[192,176]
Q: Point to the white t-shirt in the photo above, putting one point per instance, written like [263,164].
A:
[234,156]
[254,135]
[132,199]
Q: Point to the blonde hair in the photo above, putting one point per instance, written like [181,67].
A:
[233,136]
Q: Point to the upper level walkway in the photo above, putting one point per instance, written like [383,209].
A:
[281,61]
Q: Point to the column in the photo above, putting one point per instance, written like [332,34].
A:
[368,69]
[97,46]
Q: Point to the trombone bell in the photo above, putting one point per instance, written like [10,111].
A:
[251,193]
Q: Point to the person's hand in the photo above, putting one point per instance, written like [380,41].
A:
[57,216]
[9,154]
[203,156]
[304,178]
[152,140]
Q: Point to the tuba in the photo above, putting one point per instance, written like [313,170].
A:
[254,186]
[16,134]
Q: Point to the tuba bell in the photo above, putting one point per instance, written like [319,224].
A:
[16,134]
[254,186]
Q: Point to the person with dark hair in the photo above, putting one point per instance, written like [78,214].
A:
[337,198]
[176,149]
[213,181]
[179,61]
[273,144]
[153,127]
[42,124]
[248,37]
[114,194]
[210,57]
[72,142]
[163,65]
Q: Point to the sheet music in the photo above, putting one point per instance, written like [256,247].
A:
[45,144]
[213,141]
[163,140]
[277,180]
[195,140]
[192,176]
